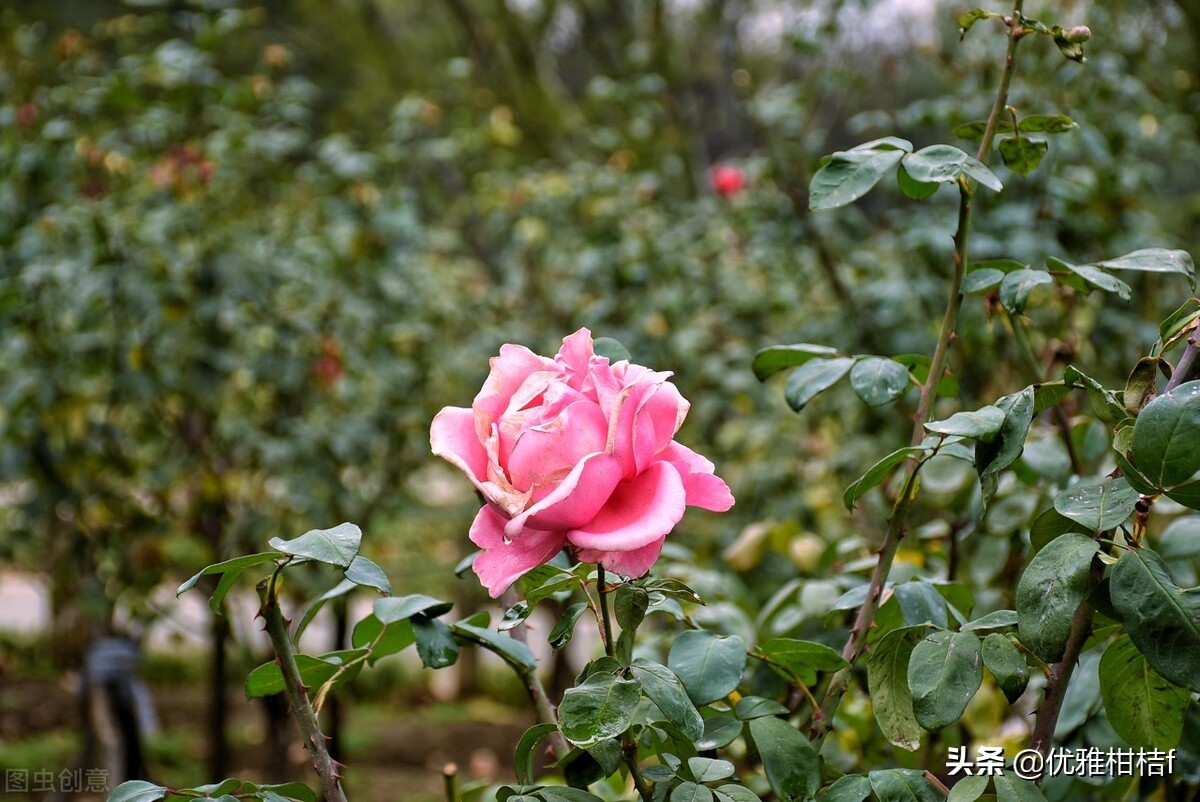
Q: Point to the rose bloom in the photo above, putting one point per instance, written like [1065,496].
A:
[575,452]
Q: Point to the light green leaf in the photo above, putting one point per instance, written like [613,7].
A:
[1011,788]
[138,791]
[709,770]
[1017,286]
[917,190]
[1047,124]
[944,672]
[690,792]
[1050,590]
[982,424]
[944,164]
[1088,277]
[980,281]
[366,573]
[968,789]
[398,608]
[903,785]
[851,788]
[1145,709]
[1023,155]
[1155,260]
[880,471]
[848,175]
[732,792]
[802,659]
[993,457]
[998,619]
[887,681]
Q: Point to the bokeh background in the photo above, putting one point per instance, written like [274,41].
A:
[248,250]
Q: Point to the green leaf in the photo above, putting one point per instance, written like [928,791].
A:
[802,659]
[514,616]
[230,570]
[337,546]
[981,281]
[967,20]
[1017,286]
[1099,507]
[673,588]
[1104,403]
[613,349]
[666,690]
[1178,323]
[983,424]
[277,791]
[514,652]
[903,785]
[879,381]
[1181,539]
[887,681]
[399,608]
[137,791]
[719,731]
[523,756]
[749,707]
[848,175]
[366,573]
[1162,619]
[563,793]
[267,679]
[975,129]
[1145,709]
[769,361]
[710,666]
[1050,590]
[1155,260]
[998,619]
[690,792]
[1023,155]
[599,708]
[1006,446]
[880,471]
[1047,124]
[1141,386]
[968,789]
[226,786]
[340,589]
[708,770]
[1165,436]
[630,606]
[917,190]
[564,627]
[945,164]
[944,672]
[850,788]
[1088,277]
[1007,664]
[789,760]
[731,792]
[1011,788]
[1187,494]
[435,642]
[812,378]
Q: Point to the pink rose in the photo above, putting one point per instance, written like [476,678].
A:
[574,451]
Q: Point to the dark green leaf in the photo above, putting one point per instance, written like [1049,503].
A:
[789,760]
[1047,124]
[564,627]
[514,652]
[749,707]
[613,349]
[1165,436]
[1051,589]
[980,281]
[812,378]
[137,791]
[297,791]
[1145,709]
[435,641]
[1017,286]
[690,792]
[848,175]
[630,606]
[514,616]
[944,672]
[666,690]
[851,788]
[731,792]
[903,785]
[1088,277]
[879,381]
[708,770]
[1162,619]
[998,619]
[719,731]
[563,793]
[337,546]
[880,471]
[802,659]
[710,666]
[267,679]
[974,131]
[230,570]
[523,757]
[398,608]
[917,190]
[769,361]
[599,708]
[968,789]
[1187,494]
[982,424]
[1023,155]
[1006,446]
[1098,507]
[366,573]
[1007,664]
[1011,788]
[945,164]
[887,681]
[674,589]
[1155,260]
[340,589]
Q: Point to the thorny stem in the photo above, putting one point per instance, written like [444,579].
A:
[897,524]
[285,654]
[607,633]
[534,687]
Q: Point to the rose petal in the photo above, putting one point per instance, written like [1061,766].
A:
[452,437]
[639,511]
[631,564]
[575,356]
[503,563]
[546,454]
[704,490]
[577,498]
[509,371]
